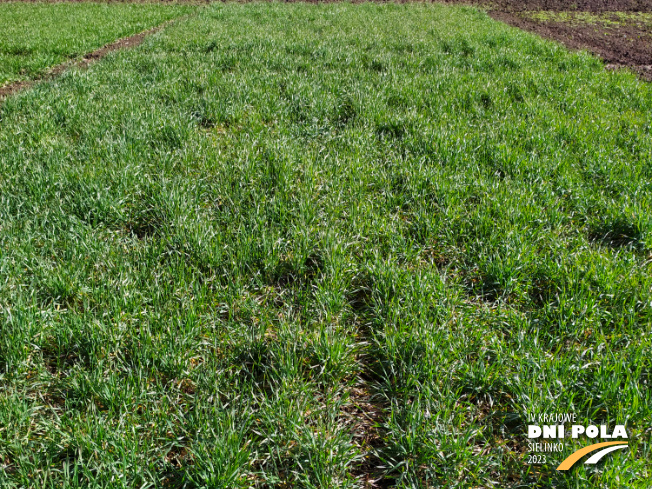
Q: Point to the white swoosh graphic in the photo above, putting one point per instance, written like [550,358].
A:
[596,458]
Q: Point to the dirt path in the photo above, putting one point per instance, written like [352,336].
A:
[86,60]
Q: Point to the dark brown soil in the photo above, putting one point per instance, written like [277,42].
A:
[125,42]
[626,45]
[569,5]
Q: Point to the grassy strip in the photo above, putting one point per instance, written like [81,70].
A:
[298,246]
[36,36]
[606,19]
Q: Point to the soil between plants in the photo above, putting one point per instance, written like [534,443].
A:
[87,59]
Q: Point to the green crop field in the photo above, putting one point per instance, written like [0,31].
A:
[35,36]
[290,245]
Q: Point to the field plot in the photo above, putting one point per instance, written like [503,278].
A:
[620,31]
[36,36]
[290,245]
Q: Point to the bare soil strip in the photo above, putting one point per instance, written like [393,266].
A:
[366,415]
[627,45]
[86,60]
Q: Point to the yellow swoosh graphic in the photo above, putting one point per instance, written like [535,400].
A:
[574,457]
